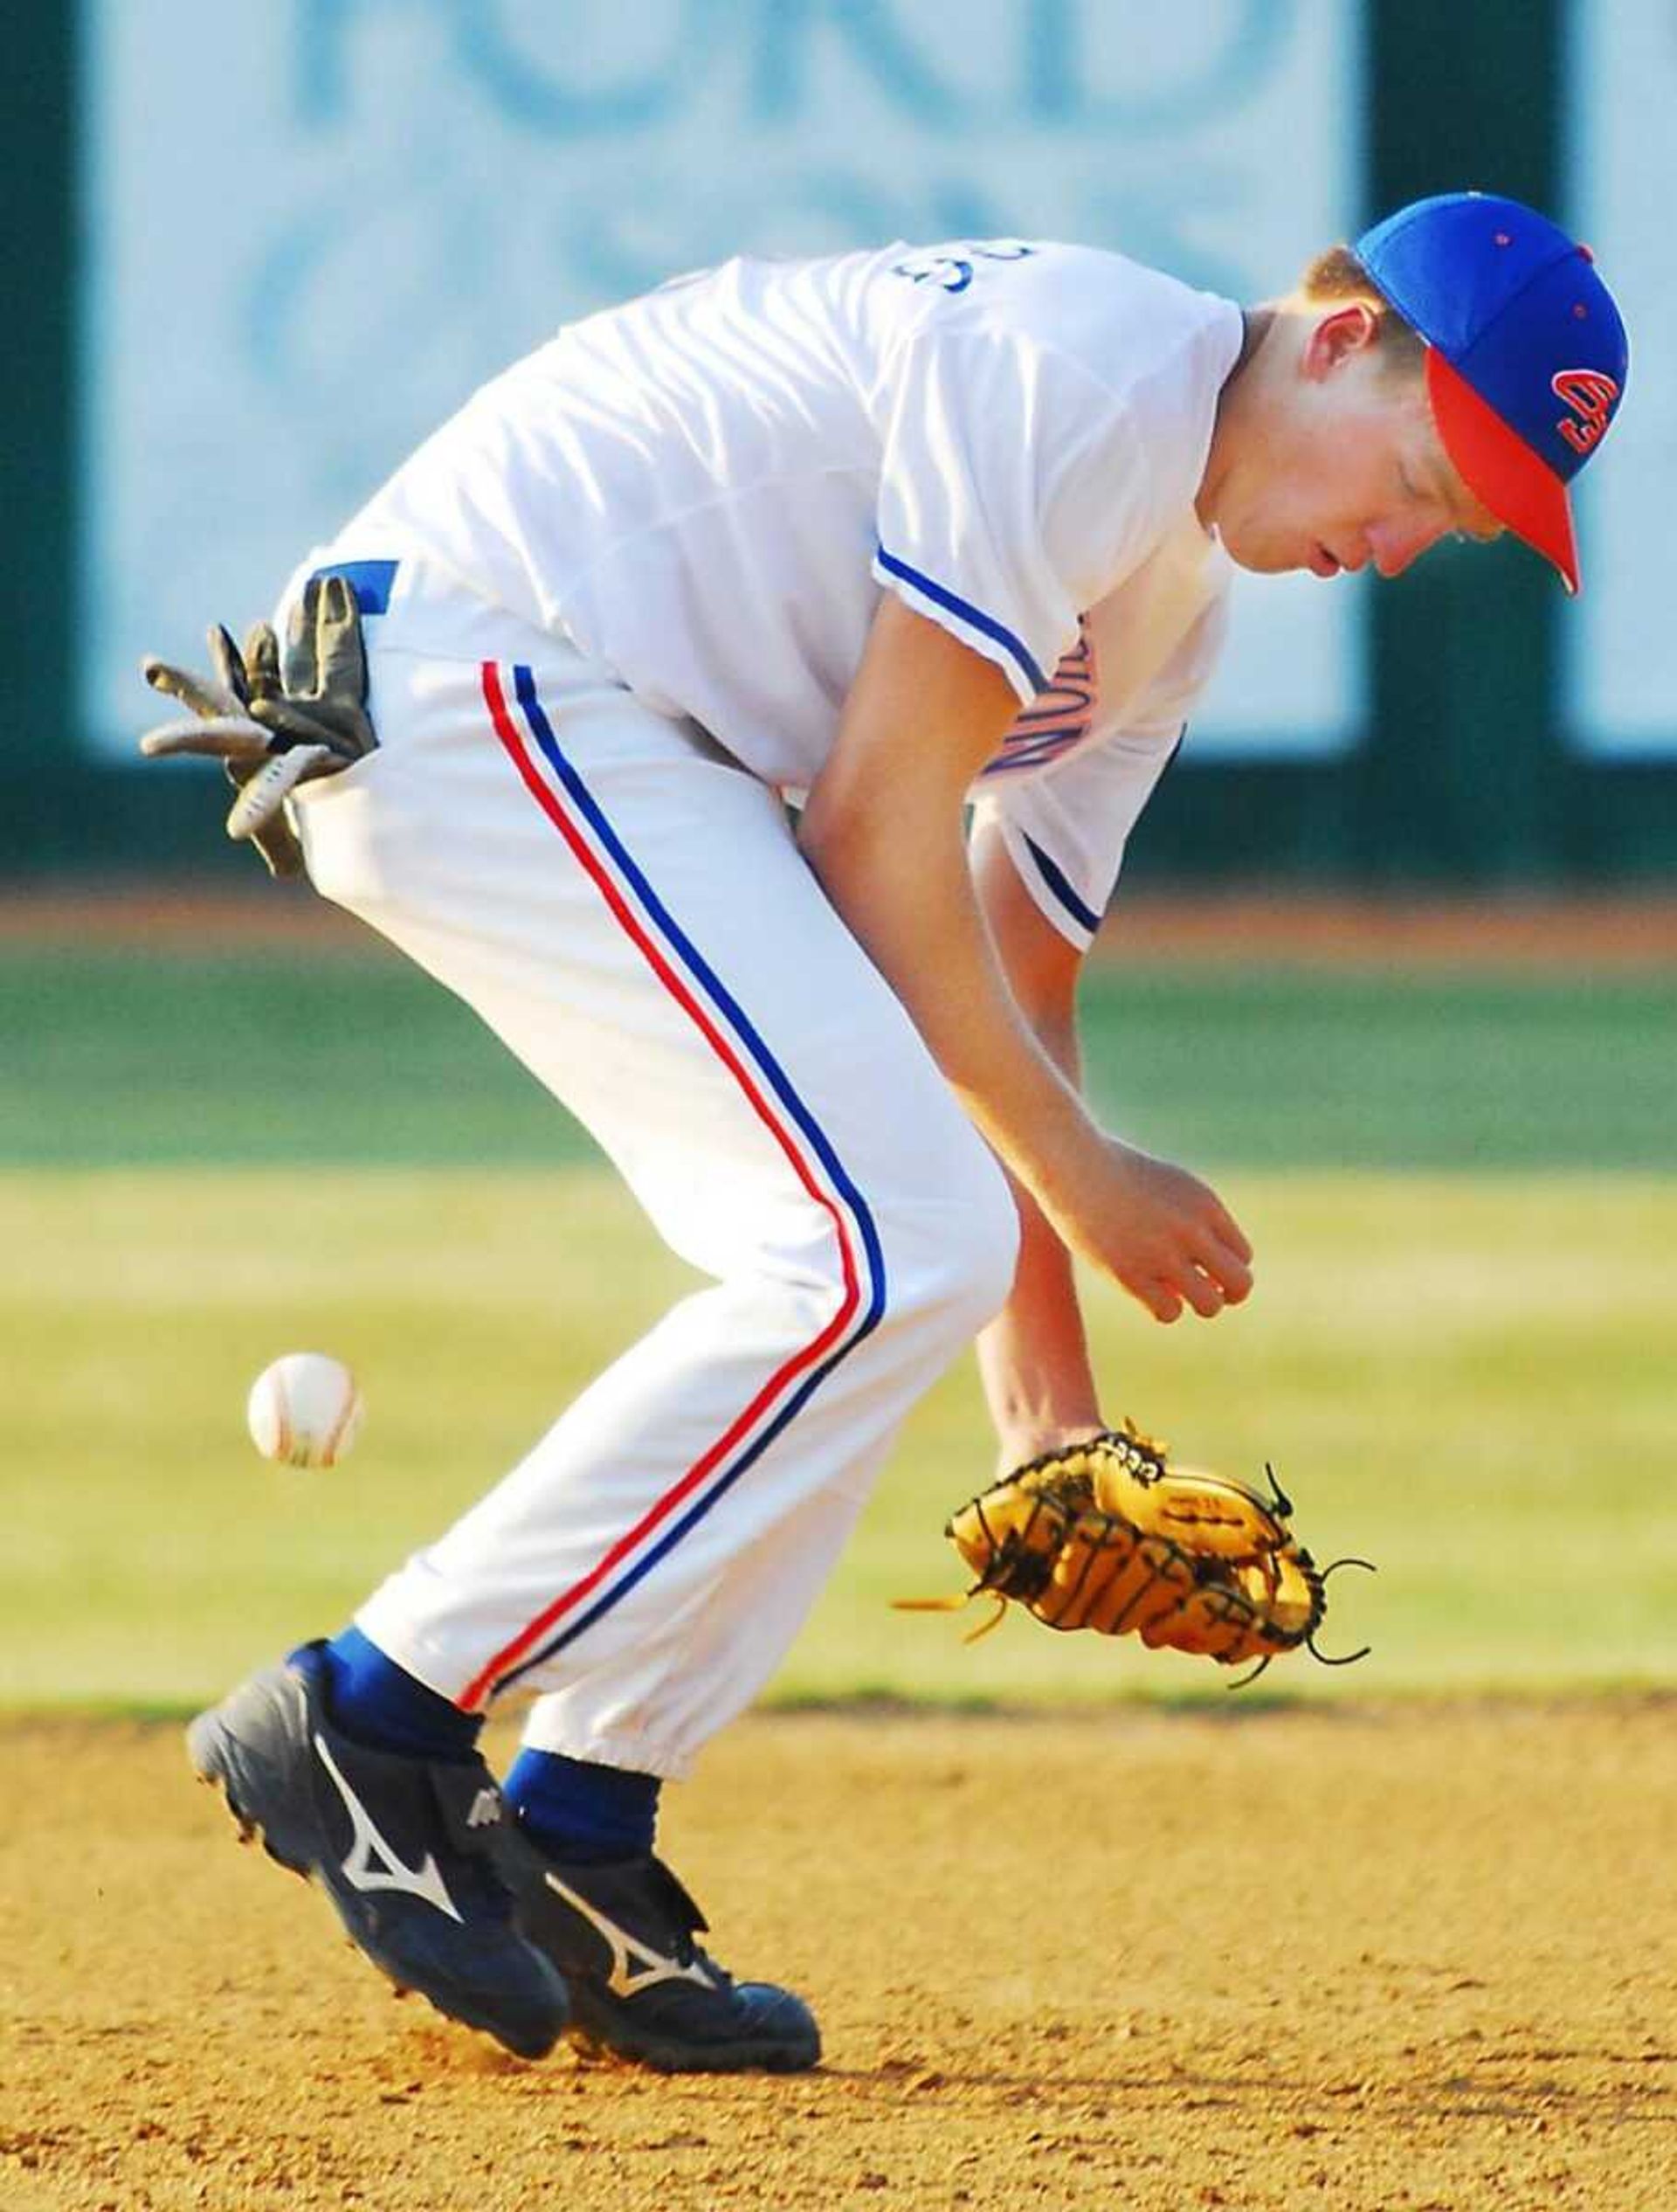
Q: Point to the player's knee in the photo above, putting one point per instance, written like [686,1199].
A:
[989,1243]
[950,1254]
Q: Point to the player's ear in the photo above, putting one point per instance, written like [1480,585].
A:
[1337,337]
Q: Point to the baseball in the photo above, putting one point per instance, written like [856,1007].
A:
[304,1410]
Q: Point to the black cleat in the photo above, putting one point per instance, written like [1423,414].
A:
[622,1935]
[417,1855]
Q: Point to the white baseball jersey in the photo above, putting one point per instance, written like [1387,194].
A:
[705,491]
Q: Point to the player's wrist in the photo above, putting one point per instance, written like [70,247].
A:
[1018,1442]
[1038,1125]
[1070,1157]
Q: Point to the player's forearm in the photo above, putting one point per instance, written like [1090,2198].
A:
[882,830]
[1033,1358]
[902,886]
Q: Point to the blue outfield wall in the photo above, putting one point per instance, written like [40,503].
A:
[1462,774]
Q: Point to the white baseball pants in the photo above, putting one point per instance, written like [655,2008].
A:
[628,911]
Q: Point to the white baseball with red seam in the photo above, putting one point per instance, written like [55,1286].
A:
[304,1410]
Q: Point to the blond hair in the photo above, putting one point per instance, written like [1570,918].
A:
[1337,277]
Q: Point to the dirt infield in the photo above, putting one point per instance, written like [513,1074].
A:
[1384,1957]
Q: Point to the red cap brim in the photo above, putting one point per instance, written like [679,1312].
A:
[1500,470]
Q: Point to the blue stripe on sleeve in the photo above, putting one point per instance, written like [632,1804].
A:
[1062,890]
[974,616]
[372,580]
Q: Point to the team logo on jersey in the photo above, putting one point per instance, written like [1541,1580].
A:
[1060,716]
[1592,397]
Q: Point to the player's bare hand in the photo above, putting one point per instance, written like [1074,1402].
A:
[274,718]
[1159,1231]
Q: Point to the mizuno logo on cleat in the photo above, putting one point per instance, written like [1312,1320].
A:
[372,1864]
[635,1965]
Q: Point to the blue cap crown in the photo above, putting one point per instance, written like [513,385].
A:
[1516,308]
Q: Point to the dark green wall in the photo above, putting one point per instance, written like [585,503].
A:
[37,155]
[1465,782]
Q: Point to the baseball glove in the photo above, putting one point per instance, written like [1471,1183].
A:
[1107,1535]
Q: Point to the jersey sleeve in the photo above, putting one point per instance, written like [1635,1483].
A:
[1065,828]
[1012,495]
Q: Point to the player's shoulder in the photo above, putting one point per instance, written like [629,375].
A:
[1121,321]
[1124,320]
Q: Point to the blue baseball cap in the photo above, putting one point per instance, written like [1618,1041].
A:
[1526,354]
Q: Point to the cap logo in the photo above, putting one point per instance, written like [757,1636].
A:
[1592,397]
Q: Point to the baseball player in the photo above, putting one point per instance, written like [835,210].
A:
[887,535]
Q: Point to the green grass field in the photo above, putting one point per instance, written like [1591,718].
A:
[1463,1192]
[266,1057]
